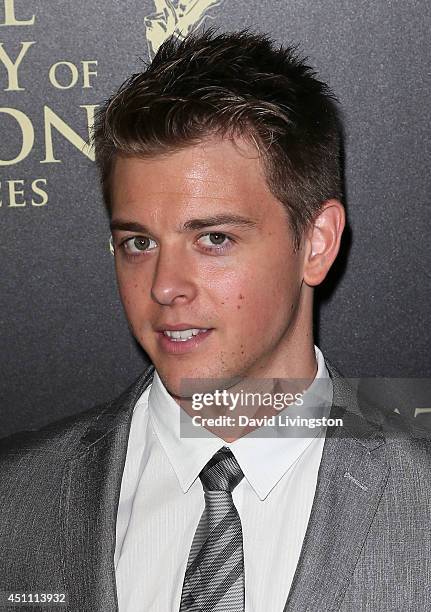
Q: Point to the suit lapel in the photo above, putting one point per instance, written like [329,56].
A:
[351,479]
[89,499]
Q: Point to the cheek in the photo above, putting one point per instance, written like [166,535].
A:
[129,290]
[264,300]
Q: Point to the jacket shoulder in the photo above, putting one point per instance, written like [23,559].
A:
[62,437]
[405,439]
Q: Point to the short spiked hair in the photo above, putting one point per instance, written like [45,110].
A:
[231,85]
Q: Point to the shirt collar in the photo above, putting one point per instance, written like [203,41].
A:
[263,460]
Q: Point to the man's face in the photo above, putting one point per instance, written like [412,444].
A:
[240,281]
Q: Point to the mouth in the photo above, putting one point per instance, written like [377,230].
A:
[182,341]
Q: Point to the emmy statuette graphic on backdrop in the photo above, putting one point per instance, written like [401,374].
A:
[175,18]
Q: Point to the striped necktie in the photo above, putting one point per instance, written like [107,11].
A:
[214,578]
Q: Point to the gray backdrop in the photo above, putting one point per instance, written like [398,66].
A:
[65,344]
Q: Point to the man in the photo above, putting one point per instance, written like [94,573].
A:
[221,175]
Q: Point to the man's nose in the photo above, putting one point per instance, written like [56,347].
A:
[173,277]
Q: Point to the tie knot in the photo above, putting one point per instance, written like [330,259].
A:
[222,472]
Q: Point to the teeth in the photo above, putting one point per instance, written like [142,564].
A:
[181,336]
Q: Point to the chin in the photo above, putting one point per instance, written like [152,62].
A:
[204,380]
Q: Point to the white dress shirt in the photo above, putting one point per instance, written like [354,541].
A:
[161,502]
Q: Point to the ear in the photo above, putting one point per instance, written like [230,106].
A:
[323,242]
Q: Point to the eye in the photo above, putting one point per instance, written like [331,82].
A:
[216,241]
[136,244]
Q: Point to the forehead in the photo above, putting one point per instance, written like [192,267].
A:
[215,174]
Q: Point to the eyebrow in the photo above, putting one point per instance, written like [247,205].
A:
[192,224]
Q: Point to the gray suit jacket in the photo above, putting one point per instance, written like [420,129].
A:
[367,545]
